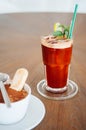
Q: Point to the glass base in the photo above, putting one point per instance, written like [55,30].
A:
[54,90]
[71,91]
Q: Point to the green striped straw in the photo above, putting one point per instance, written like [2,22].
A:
[73,22]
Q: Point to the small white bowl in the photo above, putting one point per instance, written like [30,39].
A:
[17,111]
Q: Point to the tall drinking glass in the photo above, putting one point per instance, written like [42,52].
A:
[56,55]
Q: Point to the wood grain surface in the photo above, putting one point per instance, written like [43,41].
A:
[20,47]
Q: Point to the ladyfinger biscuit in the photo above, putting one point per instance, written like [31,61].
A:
[19,79]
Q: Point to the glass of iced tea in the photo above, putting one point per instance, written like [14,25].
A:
[56,59]
[56,55]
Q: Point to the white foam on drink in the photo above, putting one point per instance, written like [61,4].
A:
[52,42]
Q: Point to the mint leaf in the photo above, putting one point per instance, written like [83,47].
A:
[66,32]
[57,33]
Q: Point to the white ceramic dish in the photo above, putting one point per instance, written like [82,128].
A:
[17,111]
[34,115]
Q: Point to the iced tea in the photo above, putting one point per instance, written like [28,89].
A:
[56,58]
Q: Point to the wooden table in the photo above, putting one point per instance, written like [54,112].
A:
[20,47]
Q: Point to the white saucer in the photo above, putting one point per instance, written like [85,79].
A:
[34,116]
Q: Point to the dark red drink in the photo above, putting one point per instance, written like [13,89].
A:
[56,58]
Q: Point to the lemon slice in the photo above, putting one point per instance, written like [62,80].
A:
[19,79]
[57,27]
